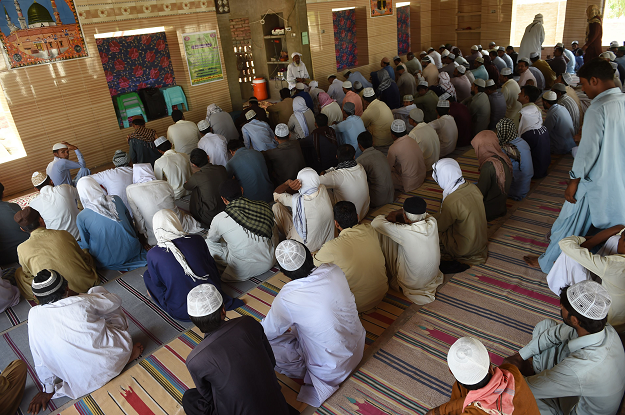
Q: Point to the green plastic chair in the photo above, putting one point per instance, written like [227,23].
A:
[130,104]
[174,95]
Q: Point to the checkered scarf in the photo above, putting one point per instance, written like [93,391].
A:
[144,134]
[254,216]
[346,164]
[506,132]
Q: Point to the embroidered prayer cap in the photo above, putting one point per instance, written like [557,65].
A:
[445,53]
[290,254]
[58,146]
[614,44]
[300,86]
[479,59]
[357,85]
[47,282]
[416,114]
[121,158]
[480,82]
[506,71]
[398,126]
[250,114]
[332,75]
[38,178]
[295,53]
[590,299]
[559,87]
[415,205]
[282,130]
[26,216]
[423,83]
[489,82]
[346,73]
[408,98]
[468,360]
[461,69]
[203,125]
[608,55]
[203,300]
[559,45]
[527,61]
[442,103]
[575,42]
[347,85]
[550,96]
[474,47]
[533,55]
[396,58]
[368,93]
[160,141]
[313,84]
[349,108]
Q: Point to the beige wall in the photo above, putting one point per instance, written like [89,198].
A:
[70,101]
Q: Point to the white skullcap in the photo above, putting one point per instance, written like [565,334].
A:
[550,96]
[445,53]
[347,85]
[408,98]
[58,146]
[479,46]
[525,60]
[480,82]
[590,299]
[461,69]
[423,83]
[559,45]
[559,87]
[398,126]
[575,42]
[396,58]
[38,178]
[203,300]
[443,103]
[368,92]
[533,55]
[441,46]
[501,48]
[474,47]
[203,125]
[423,53]
[614,44]
[290,254]
[416,114]
[250,114]
[468,360]
[446,95]
[479,59]
[489,82]
[160,141]
[492,43]
[332,75]
[506,71]
[346,73]
[426,59]
[313,84]
[295,53]
[567,78]
[608,54]
[300,86]
[430,48]
[451,56]
[282,130]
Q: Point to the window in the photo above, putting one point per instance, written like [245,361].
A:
[523,12]
[345,44]
[11,146]
[613,21]
[403,29]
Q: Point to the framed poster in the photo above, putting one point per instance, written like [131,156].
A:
[381,8]
[203,60]
[40,32]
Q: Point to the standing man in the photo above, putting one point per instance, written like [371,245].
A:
[533,38]
[184,134]
[59,168]
[296,71]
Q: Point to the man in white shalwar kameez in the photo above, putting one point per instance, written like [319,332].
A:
[146,196]
[296,71]
[577,263]
[326,338]
[78,343]
[409,239]
[533,38]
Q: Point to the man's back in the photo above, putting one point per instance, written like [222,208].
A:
[379,177]
[428,141]
[561,132]
[145,199]
[479,107]
[349,184]
[205,200]
[11,235]
[498,108]
[539,78]
[174,167]
[57,206]
[234,358]
[284,161]
[447,131]
[249,168]
[377,118]
[115,181]
[258,135]
[184,135]
[141,151]
[216,147]
[427,104]
[546,70]
[280,112]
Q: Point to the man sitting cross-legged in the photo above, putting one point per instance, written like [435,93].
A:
[326,339]
[357,252]
[481,388]
[575,367]
[78,343]
[232,368]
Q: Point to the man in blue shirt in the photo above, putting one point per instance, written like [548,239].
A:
[559,124]
[501,52]
[59,168]
[249,168]
[257,134]
[348,130]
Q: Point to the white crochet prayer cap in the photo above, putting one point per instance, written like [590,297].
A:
[575,42]
[468,360]
[347,85]
[416,114]
[490,82]
[58,146]
[445,53]
[313,84]
[480,82]
[160,141]
[332,75]
[300,86]
[290,255]
[250,114]
[479,59]
[614,44]
[479,46]
[398,126]
[38,178]
[295,53]
[567,78]
[550,96]
[533,55]
[203,125]
[527,61]
[501,48]
[443,103]
[368,92]
[506,71]
[474,47]
[461,69]
[408,98]
[441,46]
[423,83]
[590,299]
[396,58]
[451,56]
[282,130]
[203,300]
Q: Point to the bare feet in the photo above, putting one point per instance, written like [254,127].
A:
[532,261]
[137,349]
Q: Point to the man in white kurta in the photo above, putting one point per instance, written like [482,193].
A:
[215,145]
[533,38]
[174,167]
[326,338]
[296,71]
[426,137]
[411,248]
[116,180]
[57,205]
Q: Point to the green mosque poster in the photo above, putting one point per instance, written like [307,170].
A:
[35,32]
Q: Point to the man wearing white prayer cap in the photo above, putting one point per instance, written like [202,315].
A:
[286,160]
[445,126]
[479,106]
[403,113]
[493,390]
[544,68]
[296,71]
[577,366]
[425,136]
[559,123]
[329,339]
[234,356]
[533,38]
[405,159]
[59,168]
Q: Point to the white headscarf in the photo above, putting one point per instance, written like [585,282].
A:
[142,173]
[299,108]
[211,109]
[167,227]
[93,197]
[310,185]
[446,172]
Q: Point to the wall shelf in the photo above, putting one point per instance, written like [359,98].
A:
[277,63]
[469,14]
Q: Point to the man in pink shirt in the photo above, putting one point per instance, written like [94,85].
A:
[351,96]
[406,159]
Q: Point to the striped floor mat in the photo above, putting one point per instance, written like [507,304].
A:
[498,302]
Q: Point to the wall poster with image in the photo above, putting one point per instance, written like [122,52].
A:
[203,60]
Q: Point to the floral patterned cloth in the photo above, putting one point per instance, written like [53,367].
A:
[403,30]
[345,39]
[134,62]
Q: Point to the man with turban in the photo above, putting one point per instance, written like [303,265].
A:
[533,38]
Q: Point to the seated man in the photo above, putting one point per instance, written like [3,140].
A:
[184,134]
[559,124]
[348,130]
[11,235]
[569,103]
[141,143]
[462,222]
[286,160]
[260,113]
[357,252]
[426,137]
[215,145]
[87,331]
[577,263]
[527,77]
[520,155]
[493,389]
[59,168]
[532,130]
[221,122]
[379,176]
[257,134]
[575,367]
[348,181]
[353,98]
[243,237]
[280,112]
[377,118]
[326,340]
[115,181]
[405,159]
[426,101]
[46,248]
[403,113]
[173,166]
[234,356]
[57,205]
[410,245]
[446,128]
[249,168]
[12,385]
[479,106]
[204,185]
[146,196]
